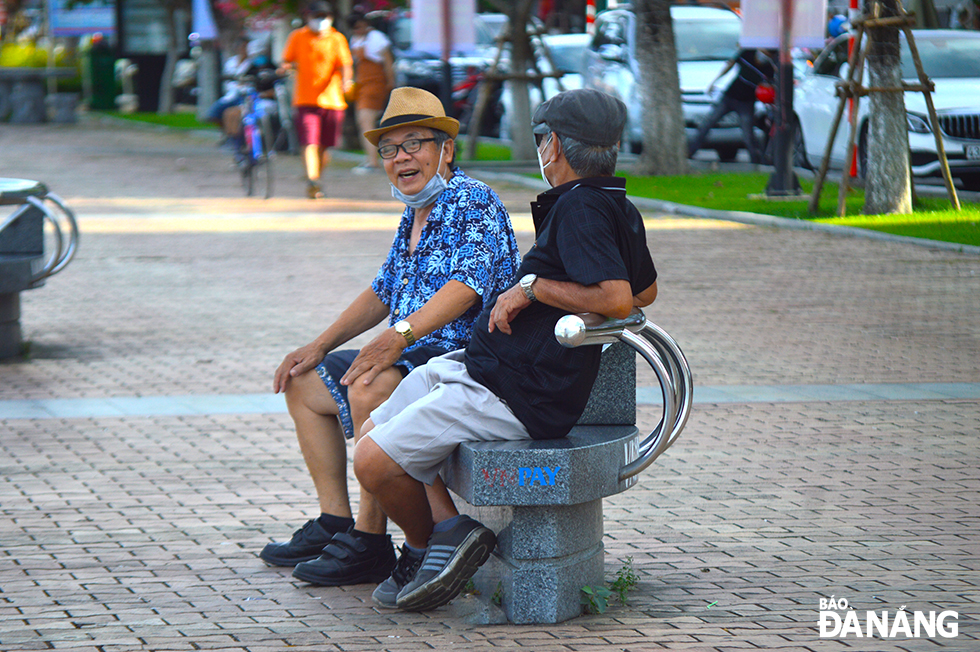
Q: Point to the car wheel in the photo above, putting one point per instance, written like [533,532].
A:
[727,154]
[971,181]
[800,159]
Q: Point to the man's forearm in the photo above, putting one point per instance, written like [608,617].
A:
[609,298]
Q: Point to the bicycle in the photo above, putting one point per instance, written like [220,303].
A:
[257,145]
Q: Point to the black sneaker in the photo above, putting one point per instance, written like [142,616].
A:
[387,592]
[307,543]
[348,560]
[451,559]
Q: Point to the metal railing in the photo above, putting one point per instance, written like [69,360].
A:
[661,352]
[63,223]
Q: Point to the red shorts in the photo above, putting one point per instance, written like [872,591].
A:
[316,126]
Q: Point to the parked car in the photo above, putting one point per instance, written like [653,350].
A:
[567,53]
[951,58]
[705,38]
[425,69]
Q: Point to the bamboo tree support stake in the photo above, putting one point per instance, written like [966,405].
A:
[855,77]
[853,88]
[928,88]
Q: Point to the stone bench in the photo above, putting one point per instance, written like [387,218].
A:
[23,265]
[23,91]
[544,498]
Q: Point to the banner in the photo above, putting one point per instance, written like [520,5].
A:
[762,23]
[427,25]
[99,16]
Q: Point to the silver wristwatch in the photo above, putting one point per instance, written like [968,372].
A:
[527,283]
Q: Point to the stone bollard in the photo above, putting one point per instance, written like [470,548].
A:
[27,101]
[62,107]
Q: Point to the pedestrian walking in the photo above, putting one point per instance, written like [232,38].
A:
[324,73]
[754,67]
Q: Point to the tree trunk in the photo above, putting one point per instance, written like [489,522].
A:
[888,187]
[166,104]
[520,133]
[664,140]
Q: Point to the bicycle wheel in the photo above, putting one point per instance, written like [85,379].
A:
[246,164]
[265,154]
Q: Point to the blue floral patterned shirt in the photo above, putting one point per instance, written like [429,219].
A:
[468,238]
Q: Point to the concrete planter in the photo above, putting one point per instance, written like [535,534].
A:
[24,90]
[63,107]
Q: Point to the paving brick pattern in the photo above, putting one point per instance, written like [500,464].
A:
[141,533]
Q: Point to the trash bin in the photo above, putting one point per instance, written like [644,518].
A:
[101,62]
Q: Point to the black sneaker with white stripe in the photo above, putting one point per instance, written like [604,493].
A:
[451,559]
[386,594]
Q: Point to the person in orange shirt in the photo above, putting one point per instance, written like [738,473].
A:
[324,72]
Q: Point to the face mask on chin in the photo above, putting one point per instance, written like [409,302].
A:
[320,24]
[541,165]
[429,193]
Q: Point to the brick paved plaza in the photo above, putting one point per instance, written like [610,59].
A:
[832,450]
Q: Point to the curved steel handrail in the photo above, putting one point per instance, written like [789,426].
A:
[62,254]
[69,253]
[662,354]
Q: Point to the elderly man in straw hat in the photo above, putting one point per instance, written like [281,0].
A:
[513,381]
[454,249]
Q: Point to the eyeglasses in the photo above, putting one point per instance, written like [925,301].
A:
[409,147]
[539,138]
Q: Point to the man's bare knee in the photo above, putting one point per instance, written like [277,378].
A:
[308,392]
[372,466]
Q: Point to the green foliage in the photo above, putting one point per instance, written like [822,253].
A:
[626,580]
[498,595]
[596,599]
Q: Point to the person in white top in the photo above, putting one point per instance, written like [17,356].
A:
[374,78]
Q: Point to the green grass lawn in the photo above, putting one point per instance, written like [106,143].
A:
[175,120]
[933,218]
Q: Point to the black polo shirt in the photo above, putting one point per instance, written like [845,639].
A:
[586,231]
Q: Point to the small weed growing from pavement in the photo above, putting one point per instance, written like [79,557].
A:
[498,596]
[596,599]
[626,580]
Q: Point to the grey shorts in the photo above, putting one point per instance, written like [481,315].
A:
[437,407]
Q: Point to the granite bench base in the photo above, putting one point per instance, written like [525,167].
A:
[544,501]
[21,260]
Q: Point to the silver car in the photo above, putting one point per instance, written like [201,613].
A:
[951,58]
[705,38]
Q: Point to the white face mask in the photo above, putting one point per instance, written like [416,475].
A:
[541,165]
[429,193]
[320,24]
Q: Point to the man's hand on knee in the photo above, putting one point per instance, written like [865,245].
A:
[298,362]
[379,354]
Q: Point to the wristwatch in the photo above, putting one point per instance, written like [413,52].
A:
[527,283]
[404,329]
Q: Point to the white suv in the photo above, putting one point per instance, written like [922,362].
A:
[705,37]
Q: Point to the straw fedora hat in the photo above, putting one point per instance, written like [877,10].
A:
[410,106]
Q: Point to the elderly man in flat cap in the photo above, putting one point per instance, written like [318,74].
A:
[513,381]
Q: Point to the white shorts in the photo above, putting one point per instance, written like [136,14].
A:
[434,409]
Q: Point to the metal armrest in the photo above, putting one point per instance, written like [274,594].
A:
[661,352]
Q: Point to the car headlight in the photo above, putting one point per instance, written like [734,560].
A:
[917,124]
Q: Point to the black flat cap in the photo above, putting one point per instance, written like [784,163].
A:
[586,115]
